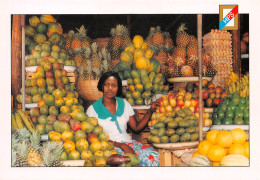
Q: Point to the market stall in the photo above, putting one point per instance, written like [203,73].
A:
[203,118]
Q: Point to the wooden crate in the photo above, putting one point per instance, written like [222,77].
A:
[168,159]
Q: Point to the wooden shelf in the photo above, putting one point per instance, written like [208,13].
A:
[187,79]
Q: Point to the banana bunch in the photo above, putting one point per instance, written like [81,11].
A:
[241,87]
[21,120]
[232,78]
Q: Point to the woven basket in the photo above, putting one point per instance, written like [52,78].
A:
[88,90]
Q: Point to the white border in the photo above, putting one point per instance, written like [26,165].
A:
[123,7]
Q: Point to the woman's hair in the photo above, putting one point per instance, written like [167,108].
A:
[105,76]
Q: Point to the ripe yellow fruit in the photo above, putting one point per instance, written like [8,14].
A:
[66,135]
[224,138]
[69,146]
[216,153]
[204,147]
[246,147]
[211,136]
[215,163]
[237,149]
[195,154]
[138,41]
[239,135]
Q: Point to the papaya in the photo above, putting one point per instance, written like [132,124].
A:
[134,159]
[154,65]
[135,74]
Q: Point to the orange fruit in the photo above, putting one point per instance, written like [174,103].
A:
[211,136]
[237,149]
[66,135]
[215,163]
[246,147]
[69,146]
[239,135]
[204,147]
[224,138]
[216,153]
[195,154]
[226,150]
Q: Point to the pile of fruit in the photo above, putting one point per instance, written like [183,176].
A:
[27,150]
[236,85]
[141,86]
[233,110]
[223,148]
[211,95]
[120,36]
[41,29]
[179,126]
[218,45]
[184,59]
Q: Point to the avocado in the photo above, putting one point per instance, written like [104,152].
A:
[185,137]
[172,124]
[161,132]
[174,138]
[154,131]
[194,137]
[164,139]
[155,139]
[183,124]
[169,132]
[180,131]
[159,125]
[135,74]
[191,130]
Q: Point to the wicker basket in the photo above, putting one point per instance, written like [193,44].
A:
[88,90]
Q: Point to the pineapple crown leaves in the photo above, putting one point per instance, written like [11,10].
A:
[14,157]
[35,139]
[154,48]
[119,29]
[23,134]
[87,52]
[182,28]
[152,30]
[15,140]
[105,65]
[71,33]
[104,52]
[89,69]
[47,157]
[94,47]
[82,31]
[125,31]
[158,29]
[166,35]
[100,55]
[113,31]
[51,151]
[22,149]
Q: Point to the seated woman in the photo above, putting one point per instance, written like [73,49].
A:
[114,114]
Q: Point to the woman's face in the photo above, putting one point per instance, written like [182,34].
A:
[110,87]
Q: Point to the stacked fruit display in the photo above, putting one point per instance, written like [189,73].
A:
[223,148]
[184,59]
[233,110]
[27,150]
[162,44]
[77,44]
[46,50]
[236,85]
[179,126]
[94,63]
[120,36]
[41,29]
[141,86]
[218,45]
[211,95]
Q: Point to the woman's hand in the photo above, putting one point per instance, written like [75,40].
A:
[155,105]
[124,147]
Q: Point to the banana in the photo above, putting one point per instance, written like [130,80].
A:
[27,120]
[230,90]
[14,124]
[18,120]
[238,87]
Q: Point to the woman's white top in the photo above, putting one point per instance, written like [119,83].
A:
[110,126]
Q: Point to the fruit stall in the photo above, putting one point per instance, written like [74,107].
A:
[199,73]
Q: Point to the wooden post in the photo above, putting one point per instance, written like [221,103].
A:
[128,24]
[16,58]
[236,49]
[199,36]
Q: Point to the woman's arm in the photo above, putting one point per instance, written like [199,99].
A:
[139,125]
[124,147]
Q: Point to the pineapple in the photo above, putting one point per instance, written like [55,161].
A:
[206,60]
[204,70]
[69,39]
[211,72]
[162,55]
[126,36]
[192,61]
[51,152]
[33,157]
[168,40]
[179,61]
[96,61]
[22,151]
[182,38]
[86,60]
[158,38]
[86,41]
[110,42]
[78,58]
[118,38]
[170,71]
[115,53]
[192,47]
[186,71]
[149,39]
[106,60]
[180,51]
[176,72]
[76,43]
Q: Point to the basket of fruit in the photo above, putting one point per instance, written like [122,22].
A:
[177,146]
[88,90]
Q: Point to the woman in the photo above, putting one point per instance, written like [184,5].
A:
[114,114]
